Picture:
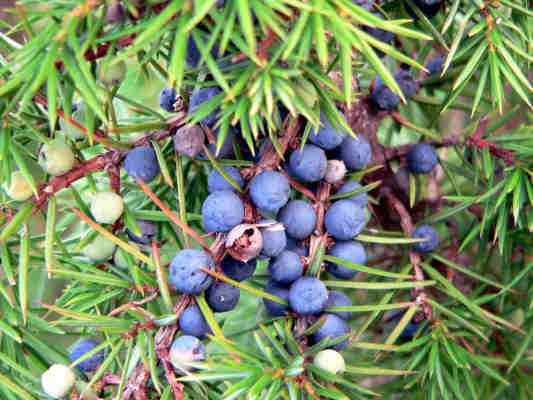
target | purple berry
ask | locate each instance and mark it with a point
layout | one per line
(269, 191)
(422, 158)
(83, 346)
(167, 99)
(299, 219)
(339, 299)
(435, 64)
(141, 163)
(356, 152)
(222, 296)
(308, 296)
(193, 323)
(222, 211)
(332, 328)
(286, 268)
(344, 220)
(215, 181)
(429, 233)
(308, 164)
(148, 232)
(350, 251)
(185, 273)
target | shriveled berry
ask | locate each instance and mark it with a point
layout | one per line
(189, 140)
(335, 171)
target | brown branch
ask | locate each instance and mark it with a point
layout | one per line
(476, 140)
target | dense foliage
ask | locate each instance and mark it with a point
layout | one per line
(201, 196)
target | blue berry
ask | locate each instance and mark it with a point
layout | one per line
(422, 158)
(360, 199)
(148, 232)
(429, 233)
(299, 248)
(428, 7)
(407, 83)
(238, 270)
(344, 220)
(356, 152)
(308, 296)
(193, 323)
(333, 328)
(186, 350)
(141, 163)
(192, 56)
(339, 299)
(273, 308)
(286, 268)
(299, 219)
(434, 65)
(167, 99)
(222, 211)
(200, 96)
(366, 4)
(215, 181)
(308, 164)
(274, 239)
(84, 346)
(269, 191)
(222, 296)
(378, 33)
(327, 137)
(225, 150)
(186, 276)
(382, 97)
(350, 251)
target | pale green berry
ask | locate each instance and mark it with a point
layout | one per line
(112, 73)
(56, 157)
(330, 361)
(100, 249)
(120, 257)
(107, 207)
(58, 380)
(19, 188)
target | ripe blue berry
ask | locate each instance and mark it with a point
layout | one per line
(299, 248)
(299, 219)
(193, 323)
(308, 164)
(222, 211)
(421, 158)
(339, 299)
(350, 251)
(273, 308)
(200, 96)
(382, 97)
(81, 347)
(141, 163)
(366, 4)
(327, 137)
(308, 296)
(286, 268)
(186, 276)
(238, 270)
(167, 99)
(148, 232)
(225, 150)
(192, 56)
(222, 296)
(274, 238)
(428, 7)
(333, 328)
(186, 350)
(378, 33)
(435, 64)
(429, 233)
(215, 181)
(344, 220)
(360, 199)
(269, 191)
(356, 152)
(407, 82)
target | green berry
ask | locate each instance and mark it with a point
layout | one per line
(112, 73)
(107, 207)
(19, 188)
(330, 361)
(58, 380)
(120, 257)
(56, 157)
(99, 250)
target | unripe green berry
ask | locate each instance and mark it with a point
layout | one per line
(58, 380)
(56, 157)
(120, 259)
(70, 130)
(99, 250)
(112, 73)
(18, 189)
(330, 361)
(107, 207)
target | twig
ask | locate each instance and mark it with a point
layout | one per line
(476, 140)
